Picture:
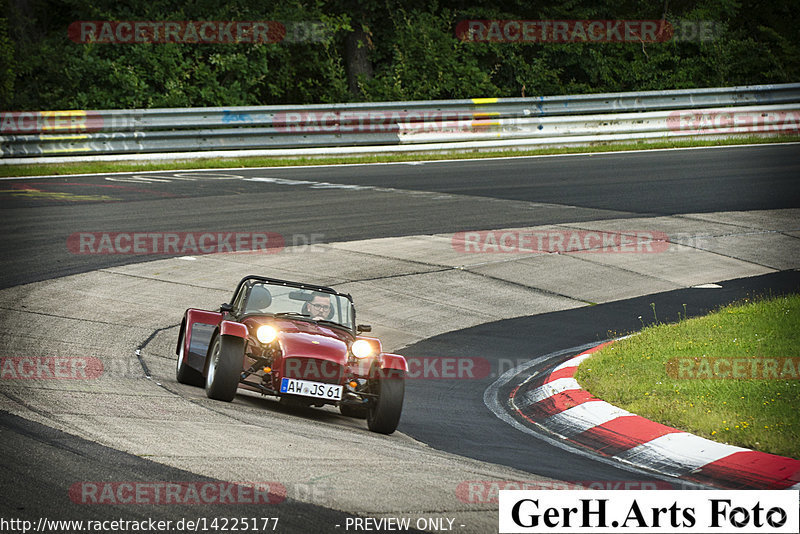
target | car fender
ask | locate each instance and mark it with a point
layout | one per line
(392, 361)
(192, 317)
(232, 328)
(195, 334)
(182, 336)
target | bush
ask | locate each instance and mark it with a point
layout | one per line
(412, 47)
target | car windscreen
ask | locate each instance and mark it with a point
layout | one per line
(268, 298)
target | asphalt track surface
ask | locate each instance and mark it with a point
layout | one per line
(360, 202)
(52, 459)
(367, 201)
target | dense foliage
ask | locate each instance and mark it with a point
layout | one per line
(407, 51)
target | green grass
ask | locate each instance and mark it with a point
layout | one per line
(422, 155)
(761, 414)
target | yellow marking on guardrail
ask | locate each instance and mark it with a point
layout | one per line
(64, 120)
(43, 137)
(63, 149)
(484, 100)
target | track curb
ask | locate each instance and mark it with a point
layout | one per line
(560, 405)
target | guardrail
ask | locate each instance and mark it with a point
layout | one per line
(754, 110)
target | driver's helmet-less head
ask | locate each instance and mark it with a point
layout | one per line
(316, 307)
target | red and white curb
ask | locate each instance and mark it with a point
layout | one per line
(562, 407)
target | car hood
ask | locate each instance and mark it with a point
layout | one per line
(312, 345)
(304, 338)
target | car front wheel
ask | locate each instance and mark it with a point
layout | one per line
(384, 411)
(225, 357)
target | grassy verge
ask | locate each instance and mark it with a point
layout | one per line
(664, 374)
(217, 163)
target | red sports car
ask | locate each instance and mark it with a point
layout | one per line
(299, 342)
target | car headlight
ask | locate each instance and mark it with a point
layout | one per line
(361, 348)
(266, 334)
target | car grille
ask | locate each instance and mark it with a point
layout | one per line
(313, 369)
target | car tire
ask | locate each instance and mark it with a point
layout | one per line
(225, 357)
(185, 374)
(384, 412)
(348, 410)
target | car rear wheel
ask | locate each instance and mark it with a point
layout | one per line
(225, 359)
(185, 374)
(384, 412)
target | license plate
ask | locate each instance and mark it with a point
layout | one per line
(311, 389)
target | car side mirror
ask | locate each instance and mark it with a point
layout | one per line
(364, 328)
(225, 308)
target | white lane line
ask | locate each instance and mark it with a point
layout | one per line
(311, 184)
(8, 161)
(136, 179)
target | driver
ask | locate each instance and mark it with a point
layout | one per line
(320, 306)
